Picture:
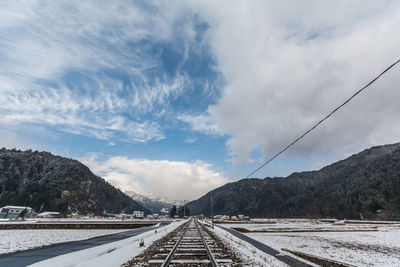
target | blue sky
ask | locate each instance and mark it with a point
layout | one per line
(174, 99)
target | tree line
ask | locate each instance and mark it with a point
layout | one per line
(182, 211)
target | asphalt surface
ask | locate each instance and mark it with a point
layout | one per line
(28, 257)
(275, 253)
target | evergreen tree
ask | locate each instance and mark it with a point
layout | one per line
(183, 211)
(187, 211)
(23, 213)
(172, 212)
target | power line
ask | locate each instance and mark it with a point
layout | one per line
(325, 118)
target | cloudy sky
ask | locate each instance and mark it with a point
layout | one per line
(174, 98)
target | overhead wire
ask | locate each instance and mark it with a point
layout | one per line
(322, 120)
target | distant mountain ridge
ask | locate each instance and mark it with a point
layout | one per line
(47, 182)
(154, 204)
(365, 185)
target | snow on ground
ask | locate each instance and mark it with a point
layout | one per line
(361, 249)
(373, 248)
(250, 254)
(111, 254)
(17, 240)
(78, 220)
(292, 225)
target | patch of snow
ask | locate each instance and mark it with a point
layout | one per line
(301, 225)
(17, 240)
(79, 220)
(111, 254)
(250, 254)
(380, 248)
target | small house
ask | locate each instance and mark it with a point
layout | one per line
(138, 214)
(13, 212)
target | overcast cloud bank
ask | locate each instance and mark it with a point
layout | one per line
(287, 65)
(163, 178)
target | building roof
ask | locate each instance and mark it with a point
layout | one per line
(16, 207)
(48, 213)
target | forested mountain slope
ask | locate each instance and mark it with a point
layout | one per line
(365, 185)
(47, 182)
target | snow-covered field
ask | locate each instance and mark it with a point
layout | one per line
(293, 225)
(119, 252)
(16, 240)
(111, 254)
(251, 255)
(379, 247)
(79, 220)
(361, 249)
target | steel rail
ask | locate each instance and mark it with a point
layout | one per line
(210, 255)
(172, 252)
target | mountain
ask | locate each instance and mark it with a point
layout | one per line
(157, 205)
(365, 185)
(47, 182)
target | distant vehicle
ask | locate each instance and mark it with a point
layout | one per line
(122, 216)
(225, 217)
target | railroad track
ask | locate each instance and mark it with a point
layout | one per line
(190, 245)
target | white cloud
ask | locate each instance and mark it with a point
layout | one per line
(171, 179)
(286, 64)
(201, 123)
(43, 41)
(190, 139)
(92, 116)
(44, 38)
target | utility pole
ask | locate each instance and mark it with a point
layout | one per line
(212, 211)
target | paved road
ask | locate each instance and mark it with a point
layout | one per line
(25, 258)
(275, 253)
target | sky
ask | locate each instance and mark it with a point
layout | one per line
(175, 98)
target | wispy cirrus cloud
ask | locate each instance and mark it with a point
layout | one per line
(97, 116)
(202, 123)
(91, 68)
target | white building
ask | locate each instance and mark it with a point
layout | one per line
(13, 212)
(243, 218)
(138, 214)
(49, 214)
(152, 216)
